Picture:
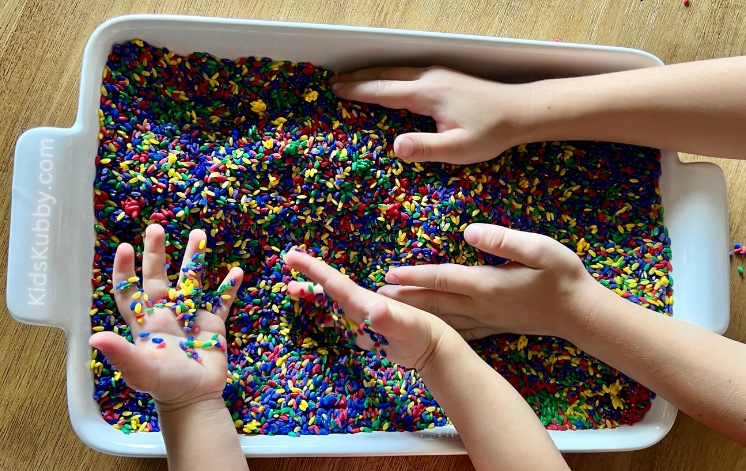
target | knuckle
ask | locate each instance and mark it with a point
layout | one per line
(426, 148)
(463, 145)
(441, 280)
(432, 306)
(381, 87)
(435, 79)
(496, 239)
(429, 88)
(538, 252)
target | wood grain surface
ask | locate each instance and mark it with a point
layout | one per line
(41, 47)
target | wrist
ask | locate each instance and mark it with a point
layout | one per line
(199, 406)
(512, 123)
(190, 429)
(591, 301)
(207, 415)
(554, 110)
(445, 349)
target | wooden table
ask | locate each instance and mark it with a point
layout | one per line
(41, 46)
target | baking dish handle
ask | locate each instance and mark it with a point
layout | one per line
(36, 218)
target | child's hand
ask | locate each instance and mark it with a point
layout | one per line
(412, 335)
(476, 119)
(543, 290)
(157, 363)
(455, 375)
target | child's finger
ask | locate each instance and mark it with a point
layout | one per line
(447, 146)
(191, 266)
(305, 289)
(446, 277)
(136, 364)
(351, 297)
(477, 333)
(453, 309)
(233, 279)
(397, 94)
(459, 322)
(435, 302)
(127, 293)
(526, 248)
(154, 274)
(395, 323)
(380, 73)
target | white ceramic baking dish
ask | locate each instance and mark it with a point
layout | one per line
(52, 237)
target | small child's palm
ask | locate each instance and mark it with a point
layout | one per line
(178, 354)
(175, 377)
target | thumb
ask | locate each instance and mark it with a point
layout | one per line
(137, 366)
(445, 146)
(526, 248)
(395, 323)
(410, 332)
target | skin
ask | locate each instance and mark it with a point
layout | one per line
(420, 340)
(696, 107)
(193, 416)
(464, 135)
(653, 349)
(187, 394)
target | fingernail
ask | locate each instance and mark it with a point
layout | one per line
(291, 249)
(392, 278)
(472, 233)
(403, 147)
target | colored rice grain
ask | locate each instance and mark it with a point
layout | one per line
(263, 157)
